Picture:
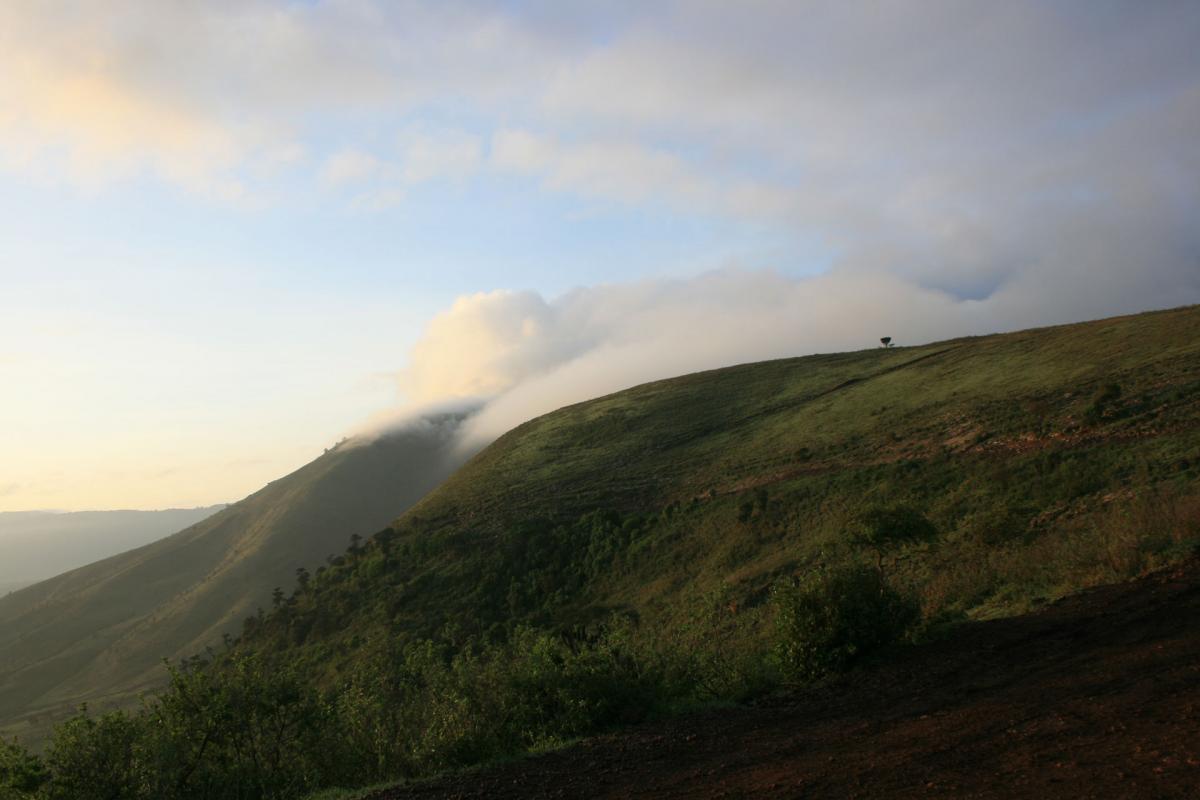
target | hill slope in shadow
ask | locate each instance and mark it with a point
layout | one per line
(98, 634)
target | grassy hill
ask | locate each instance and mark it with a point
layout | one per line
(98, 634)
(1047, 460)
(636, 553)
(36, 545)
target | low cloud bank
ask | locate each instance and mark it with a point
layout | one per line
(508, 356)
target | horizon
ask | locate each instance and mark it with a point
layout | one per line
(221, 254)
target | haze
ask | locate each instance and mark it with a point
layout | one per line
(233, 232)
(35, 545)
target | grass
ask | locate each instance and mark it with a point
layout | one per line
(736, 477)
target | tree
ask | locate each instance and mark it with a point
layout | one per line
(886, 341)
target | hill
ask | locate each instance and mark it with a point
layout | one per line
(35, 545)
(98, 634)
(665, 546)
(1047, 460)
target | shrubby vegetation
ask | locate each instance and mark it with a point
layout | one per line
(21, 774)
(248, 723)
(238, 728)
(833, 620)
(242, 725)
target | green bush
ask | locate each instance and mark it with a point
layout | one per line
(95, 758)
(21, 774)
(885, 529)
(832, 620)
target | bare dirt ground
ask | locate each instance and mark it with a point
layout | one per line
(1096, 696)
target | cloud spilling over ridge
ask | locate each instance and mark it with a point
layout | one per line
(520, 355)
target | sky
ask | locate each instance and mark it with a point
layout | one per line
(234, 231)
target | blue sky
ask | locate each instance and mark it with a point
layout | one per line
(232, 232)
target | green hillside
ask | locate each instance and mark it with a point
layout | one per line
(98, 634)
(684, 542)
(1033, 454)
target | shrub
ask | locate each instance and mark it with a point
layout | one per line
(887, 528)
(830, 621)
(1095, 413)
(95, 758)
(21, 774)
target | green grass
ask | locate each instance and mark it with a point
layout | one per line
(735, 477)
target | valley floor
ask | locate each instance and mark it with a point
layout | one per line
(1097, 696)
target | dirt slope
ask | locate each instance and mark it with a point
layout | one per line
(1095, 696)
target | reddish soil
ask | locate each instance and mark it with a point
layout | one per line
(1096, 696)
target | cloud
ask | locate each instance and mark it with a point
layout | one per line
(422, 154)
(485, 344)
(966, 148)
(432, 153)
(349, 166)
(208, 95)
(940, 140)
(953, 144)
(521, 355)
(632, 173)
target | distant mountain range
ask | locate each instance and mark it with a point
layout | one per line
(36, 545)
(98, 634)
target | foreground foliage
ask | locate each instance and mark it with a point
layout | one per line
(241, 729)
(833, 620)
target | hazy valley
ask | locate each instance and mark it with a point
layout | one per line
(36, 545)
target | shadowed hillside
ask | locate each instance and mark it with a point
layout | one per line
(99, 633)
(1094, 696)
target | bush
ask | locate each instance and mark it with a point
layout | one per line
(830, 621)
(1095, 413)
(886, 529)
(21, 774)
(95, 758)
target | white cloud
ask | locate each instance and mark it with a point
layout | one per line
(526, 356)
(483, 345)
(422, 154)
(956, 145)
(632, 173)
(350, 166)
(197, 94)
(428, 154)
